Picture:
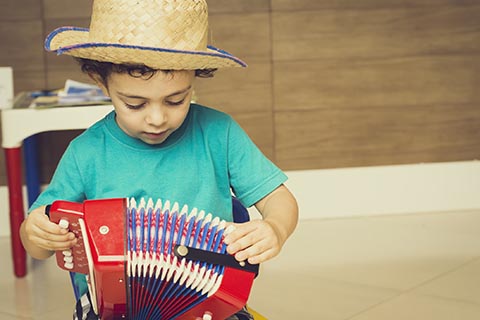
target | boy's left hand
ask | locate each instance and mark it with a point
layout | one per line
(256, 241)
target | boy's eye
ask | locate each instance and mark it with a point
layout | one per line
(134, 106)
(175, 103)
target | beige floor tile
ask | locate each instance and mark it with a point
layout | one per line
(7, 316)
(58, 298)
(45, 289)
(14, 296)
(462, 223)
(396, 252)
(419, 307)
(461, 284)
(286, 295)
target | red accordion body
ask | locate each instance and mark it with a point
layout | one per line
(133, 269)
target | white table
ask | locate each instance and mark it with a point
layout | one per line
(19, 124)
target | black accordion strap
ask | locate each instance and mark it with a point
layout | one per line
(47, 210)
(213, 258)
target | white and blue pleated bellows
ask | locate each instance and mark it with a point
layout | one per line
(161, 286)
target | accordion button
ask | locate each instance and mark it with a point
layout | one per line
(67, 253)
(63, 223)
(207, 316)
(182, 250)
(68, 265)
(68, 259)
(104, 230)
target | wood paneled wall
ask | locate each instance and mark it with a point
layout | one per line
(329, 83)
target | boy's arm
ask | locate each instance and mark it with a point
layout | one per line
(261, 240)
(280, 210)
(41, 237)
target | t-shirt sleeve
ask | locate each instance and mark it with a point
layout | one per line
(66, 183)
(252, 175)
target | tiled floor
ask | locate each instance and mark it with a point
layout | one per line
(402, 267)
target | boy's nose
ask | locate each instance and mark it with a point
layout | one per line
(156, 116)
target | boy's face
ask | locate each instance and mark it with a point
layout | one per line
(150, 109)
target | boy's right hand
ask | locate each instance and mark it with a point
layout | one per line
(38, 233)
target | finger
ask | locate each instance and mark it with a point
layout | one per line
(253, 250)
(50, 231)
(51, 241)
(258, 253)
(55, 244)
(241, 229)
(39, 219)
(246, 241)
(264, 256)
(52, 227)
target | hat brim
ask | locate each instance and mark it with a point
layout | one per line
(74, 41)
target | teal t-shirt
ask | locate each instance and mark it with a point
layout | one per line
(199, 165)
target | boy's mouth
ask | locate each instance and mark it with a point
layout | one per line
(155, 135)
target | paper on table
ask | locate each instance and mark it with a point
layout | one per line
(74, 94)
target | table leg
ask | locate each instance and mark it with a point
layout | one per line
(13, 161)
(32, 176)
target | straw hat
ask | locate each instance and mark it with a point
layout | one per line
(161, 34)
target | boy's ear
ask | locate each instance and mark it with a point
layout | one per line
(99, 82)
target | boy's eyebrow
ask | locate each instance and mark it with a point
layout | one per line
(132, 96)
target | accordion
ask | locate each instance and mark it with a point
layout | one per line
(153, 261)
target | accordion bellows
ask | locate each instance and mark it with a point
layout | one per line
(138, 260)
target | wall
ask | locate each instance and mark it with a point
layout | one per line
(330, 84)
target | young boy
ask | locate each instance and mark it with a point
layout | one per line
(145, 55)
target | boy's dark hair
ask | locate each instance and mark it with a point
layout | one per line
(104, 69)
